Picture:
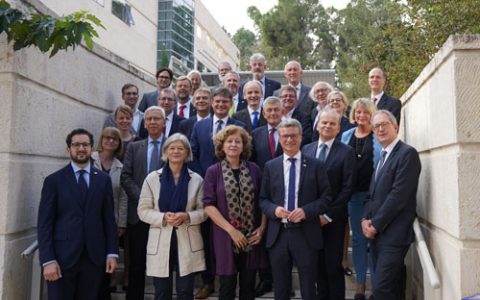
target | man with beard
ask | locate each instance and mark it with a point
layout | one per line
(77, 234)
(258, 64)
(183, 88)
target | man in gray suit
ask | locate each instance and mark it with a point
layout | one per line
(141, 158)
(164, 78)
(293, 72)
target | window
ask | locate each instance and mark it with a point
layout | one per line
(100, 2)
(123, 11)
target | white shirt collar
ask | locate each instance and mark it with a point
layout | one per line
(297, 156)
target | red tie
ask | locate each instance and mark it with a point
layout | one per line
(271, 141)
(180, 113)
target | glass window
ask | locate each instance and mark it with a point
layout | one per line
(123, 11)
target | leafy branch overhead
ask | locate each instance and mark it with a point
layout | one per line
(47, 32)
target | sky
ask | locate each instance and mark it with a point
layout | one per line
(233, 14)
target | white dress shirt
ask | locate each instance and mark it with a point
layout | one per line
(286, 178)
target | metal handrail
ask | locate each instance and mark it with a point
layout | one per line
(30, 250)
(425, 258)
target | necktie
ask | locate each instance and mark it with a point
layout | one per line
(82, 183)
(291, 185)
(232, 109)
(271, 141)
(374, 99)
(219, 126)
(322, 155)
(380, 163)
(255, 119)
(154, 157)
(180, 112)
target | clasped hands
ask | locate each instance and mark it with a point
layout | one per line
(175, 219)
(242, 241)
(295, 216)
(369, 231)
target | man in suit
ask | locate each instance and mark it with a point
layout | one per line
(130, 98)
(340, 163)
(164, 78)
(76, 230)
(390, 207)
(231, 80)
(141, 158)
(288, 96)
(203, 103)
(319, 93)
(252, 115)
(376, 81)
(293, 72)
(257, 66)
(203, 151)
(185, 107)
(295, 191)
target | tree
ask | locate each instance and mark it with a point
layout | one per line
(47, 32)
(245, 40)
(294, 30)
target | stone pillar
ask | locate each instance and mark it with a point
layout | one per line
(42, 100)
(442, 121)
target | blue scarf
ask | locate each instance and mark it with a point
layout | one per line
(173, 198)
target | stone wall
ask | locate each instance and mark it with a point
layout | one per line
(442, 121)
(43, 99)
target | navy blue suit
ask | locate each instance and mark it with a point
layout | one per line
(203, 149)
(73, 231)
(260, 147)
(244, 117)
(391, 206)
(300, 241)
(270, 87)
(340, 164)
(391, 104)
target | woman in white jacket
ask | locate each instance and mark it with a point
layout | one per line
(171, 202)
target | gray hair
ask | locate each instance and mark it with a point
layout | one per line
(170, 91)
(314, 87)
(252, 82)
(231, 72)
(291, 122)
(177, 137)
(273, 100)
(387, 113)
(340, 93)
(257, 56)
(329, 111)
(157, 108)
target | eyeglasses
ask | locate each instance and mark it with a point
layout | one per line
(166, 99)
(335, 101)
(110, 138)
(381, 125)
(289, 136)
(78, 145)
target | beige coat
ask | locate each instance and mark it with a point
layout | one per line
(120, 201)
(191, 257)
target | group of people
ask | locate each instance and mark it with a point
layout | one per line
(230, 182)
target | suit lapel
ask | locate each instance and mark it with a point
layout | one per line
(387, 163)
(303, 169)
(92, 187)
(142, 153)
(382, 102)
(73, 183)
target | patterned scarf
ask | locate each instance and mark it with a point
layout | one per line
(240, 198)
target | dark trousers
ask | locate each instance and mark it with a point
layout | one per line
(265, 275)
(291, 246)
(137, 242)
(104, 293)
(184, 284)
(82, 281)
(208, 276)
(246, 277)
(389, 269)
(331, 278)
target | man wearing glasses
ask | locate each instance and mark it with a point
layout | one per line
(164, 78)
(76, 225)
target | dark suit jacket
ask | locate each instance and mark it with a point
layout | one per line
(67, 225)
(186, 126)
(314, 197)
(242, 104)
(341, 172)
(143, 133)
(270, 87)
(392, 200)
(307, 131)
(391, 104)
(203, 149)
(244, 116)
(148, 99)
(260, 147)
(133, 174)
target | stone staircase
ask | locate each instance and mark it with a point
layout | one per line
(149, 289)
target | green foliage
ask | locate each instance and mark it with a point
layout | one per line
(46, 32)
(245, 40)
